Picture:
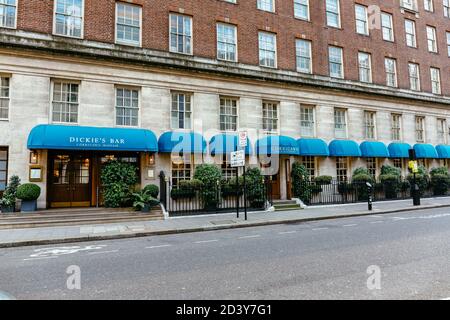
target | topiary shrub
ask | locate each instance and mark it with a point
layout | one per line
(152, 190)
(301, 186)
(391, 184)
(390, 178)
(359, 180)
(210, 176)
(422, 179)
(255, 188)
(118, 180)
(28, 192)
(323, 180)
(440, 181)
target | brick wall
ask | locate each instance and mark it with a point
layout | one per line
(37, 16)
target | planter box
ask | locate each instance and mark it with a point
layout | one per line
(28, 206)
(7, 209)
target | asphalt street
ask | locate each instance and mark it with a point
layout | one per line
(333, 259)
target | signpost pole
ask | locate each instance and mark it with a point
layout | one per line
(245, 195)
(237, 192)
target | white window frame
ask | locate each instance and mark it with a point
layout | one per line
(300, 56)
(308, 118)
(346, 162)
(389, 28)
(370, 125)
(412, 77)
(127, 107)
(264, 50)
(442, 137)
(53, 82)
(367, 69)
(7, 97)
(435, 75)
(431, 39)
(396, 127)
(448, 43)
(190, 112)
(340, 133)
(428, 5)
(446, 4)
(341, 63)
(302, 3)
(127, 42)
(389, 73)
(338, 14)
(236, 116)
(413, 35)
(274, 121)
(262, 5)
(185, 159)
(227, 44)
(365, 21)
(420, 131)
(191, 36)
(16, 6)
(82, 21)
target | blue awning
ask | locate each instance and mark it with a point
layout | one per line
(399, 150)
(226, 143)
(374, 149)
(61, 137)
(425, 151)
(344, 148)
(181, 142)
(443, 151)
(313, 147)
(281, 145)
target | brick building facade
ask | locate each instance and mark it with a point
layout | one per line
(322, 64)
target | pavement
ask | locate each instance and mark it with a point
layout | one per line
(68, 234)
(403, 255)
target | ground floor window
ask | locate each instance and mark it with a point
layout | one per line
(398, 163)
(181, 169)
(342, 169)
(227, 171)
(372, 167)
(3, 168)
(310, 165)
(423, 162)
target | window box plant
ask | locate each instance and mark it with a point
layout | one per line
(28, 193)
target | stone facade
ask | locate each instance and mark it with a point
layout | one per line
(32, 58)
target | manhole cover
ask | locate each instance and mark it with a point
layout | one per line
(223, 222)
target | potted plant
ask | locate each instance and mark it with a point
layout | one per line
(28, 193)
(144, 201)
(8, 201)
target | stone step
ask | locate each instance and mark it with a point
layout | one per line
(284, 202)
(79, 221)
(286, 207)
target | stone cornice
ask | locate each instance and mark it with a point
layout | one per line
(124, 54)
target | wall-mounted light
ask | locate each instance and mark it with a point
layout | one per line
(34, 157)
(150, 159)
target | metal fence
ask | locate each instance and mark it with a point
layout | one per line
(338, 192)
(182, 201)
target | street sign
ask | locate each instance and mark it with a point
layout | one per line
(243, 139)
(238, 159)
(414, 166)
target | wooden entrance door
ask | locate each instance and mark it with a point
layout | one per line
(70, 180)
(275, 185)
(287, 166)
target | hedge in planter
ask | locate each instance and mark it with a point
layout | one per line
(255, 188)
(186, 189)
(391, 180)
(301, 186)
(422, 179)
(118, 179)
(28, 193)
(210, 175)
(440, 181)
(229, 188)
(360, 179)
